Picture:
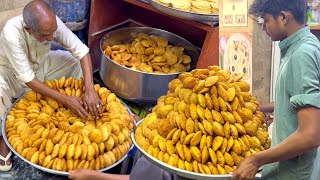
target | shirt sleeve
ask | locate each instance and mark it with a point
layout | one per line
(15, 52)
(70, 41)
(306, 81)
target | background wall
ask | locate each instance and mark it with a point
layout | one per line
(261, 63)
(6, 5)
(261, 53)
(10, 8)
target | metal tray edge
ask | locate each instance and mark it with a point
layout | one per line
(4, 134)
(174, 170)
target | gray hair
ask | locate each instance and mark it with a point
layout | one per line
(31, 15)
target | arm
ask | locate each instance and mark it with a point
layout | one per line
(104, 176)
(73, 103)
(267, 108)
(85, 174)
(305, 138)
(15, 49)
(90, 97)
(305, 100)
(81, 52)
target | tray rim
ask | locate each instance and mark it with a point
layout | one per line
(174, 170)
(185, 14)
(56, 172)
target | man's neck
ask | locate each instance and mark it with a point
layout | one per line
(293, 28)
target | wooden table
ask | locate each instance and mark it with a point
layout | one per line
(108, 14)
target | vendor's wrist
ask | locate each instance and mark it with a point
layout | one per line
(257, 159)
(89, 87)
(64, 99)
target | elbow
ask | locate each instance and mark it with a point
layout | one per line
(313, 139)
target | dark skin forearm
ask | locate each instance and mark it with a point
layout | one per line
(73, 103)
(267, 108)
(86, 67)
(91, 100)
(86, 174)
(104, 176)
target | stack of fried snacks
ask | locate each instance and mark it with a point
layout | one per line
(50, 135)
(207, 123)
(150, 54)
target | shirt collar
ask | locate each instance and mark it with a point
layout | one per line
(294, 38)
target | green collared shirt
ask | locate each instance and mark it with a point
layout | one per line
(298, 85)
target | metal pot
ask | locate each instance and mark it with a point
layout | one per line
(135, 85)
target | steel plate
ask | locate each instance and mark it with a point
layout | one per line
(4, 134)
(184, 14)
(177, 171)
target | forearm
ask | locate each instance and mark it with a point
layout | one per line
(44, 90)
(294, 145)
(105, 176)
(267, 108)
(86, 66)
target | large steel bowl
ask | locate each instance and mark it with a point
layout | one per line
(4, 134)
(135, 85)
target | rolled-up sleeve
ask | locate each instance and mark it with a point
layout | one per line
(70, 41)
(15, 52)
(306, 81)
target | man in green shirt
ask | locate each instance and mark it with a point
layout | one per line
(296, 132)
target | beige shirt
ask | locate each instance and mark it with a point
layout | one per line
(23, 54)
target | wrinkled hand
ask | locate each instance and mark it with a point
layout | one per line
(82, 174)
(247, 169)
(75, 105)
(92, 102)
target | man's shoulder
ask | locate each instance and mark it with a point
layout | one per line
(309, 45)
(13, 26)
(310, 42)
(306, 52)
(14, 21)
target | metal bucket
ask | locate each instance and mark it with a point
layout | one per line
(135, 85)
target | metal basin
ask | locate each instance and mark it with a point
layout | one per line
(135, 85)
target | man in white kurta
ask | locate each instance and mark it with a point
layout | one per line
(23, 58)
(26, 61)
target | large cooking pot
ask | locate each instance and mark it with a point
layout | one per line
(135, 85)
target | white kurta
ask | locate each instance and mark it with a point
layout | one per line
(23, 58)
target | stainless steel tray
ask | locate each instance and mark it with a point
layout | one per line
(177, 171)
(184, 14)
(4, 134)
